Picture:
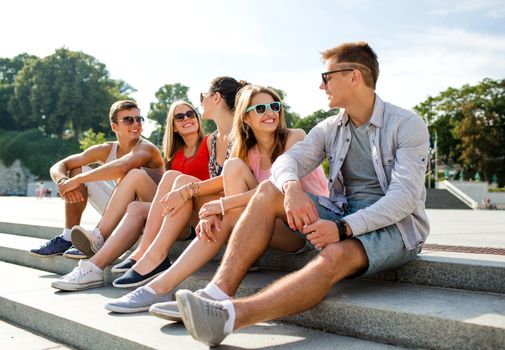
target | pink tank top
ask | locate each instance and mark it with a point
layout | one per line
(315, 182)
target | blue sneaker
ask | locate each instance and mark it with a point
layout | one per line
(74, 253)
(55, 246)
(134, 279)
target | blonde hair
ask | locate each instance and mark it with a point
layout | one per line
(242, 134)
(172, 141)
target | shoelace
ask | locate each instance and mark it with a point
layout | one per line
(79, 271)
(215, 309)
(49, 242)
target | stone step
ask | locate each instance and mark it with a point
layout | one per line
(479, 272)
(80, 320)
(15, 337)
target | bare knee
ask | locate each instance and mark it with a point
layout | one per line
(234, 167)
(134, 175)
(137, 208)
(340, 260)
(182, 180)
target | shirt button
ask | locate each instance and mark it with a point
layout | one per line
(341, 159)
(331, 180)
(347, 139)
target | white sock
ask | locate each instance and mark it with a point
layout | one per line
(97, 232)
(150, 290)
(215, 292)
(94, 267)
(66, 234)
(230, 322)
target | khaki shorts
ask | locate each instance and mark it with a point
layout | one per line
(99, 192)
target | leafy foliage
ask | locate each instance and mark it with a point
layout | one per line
(166, 94)
(470, 125)
(37, 151)
(66, 90)
(90, 138)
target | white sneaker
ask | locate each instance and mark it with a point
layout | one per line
(84, 276)
(88, 242)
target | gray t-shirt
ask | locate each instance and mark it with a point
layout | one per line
(360, 179)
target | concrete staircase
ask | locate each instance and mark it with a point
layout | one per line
(443, 199)
(440, 301)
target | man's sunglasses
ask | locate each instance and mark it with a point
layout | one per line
(129, 120)
(262, 108)
(189, 114)
(324, 75)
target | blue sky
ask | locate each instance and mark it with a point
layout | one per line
(423, 46)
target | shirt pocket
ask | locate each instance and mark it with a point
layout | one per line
(388, 161)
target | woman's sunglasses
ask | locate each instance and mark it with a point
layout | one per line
(262, 108)
(129, 120)
(180, 116)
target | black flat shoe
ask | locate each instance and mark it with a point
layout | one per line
(132, 278)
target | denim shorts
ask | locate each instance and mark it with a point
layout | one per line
(384, 247)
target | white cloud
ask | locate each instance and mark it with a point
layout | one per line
(438, 58)
(490, 8)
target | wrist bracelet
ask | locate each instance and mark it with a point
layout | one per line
(342, 235)
(221, 203)
(62, 180)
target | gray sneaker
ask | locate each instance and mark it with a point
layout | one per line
(170, 311)
(84, 276)
(88, 242)
(137, 301)
(203, 318)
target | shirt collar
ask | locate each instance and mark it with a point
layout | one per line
(377, 113)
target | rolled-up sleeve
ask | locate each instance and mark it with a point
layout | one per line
(300, 159)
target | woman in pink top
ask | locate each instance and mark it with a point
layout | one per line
(260, 136)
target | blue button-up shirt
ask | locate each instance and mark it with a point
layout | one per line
(399, 143)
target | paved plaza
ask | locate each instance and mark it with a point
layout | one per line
(472, 228)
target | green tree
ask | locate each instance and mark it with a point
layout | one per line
(308, 122)
(470, 125)
(166, 94)
(66, 91)
(290, 116)
(90, 138)
(9, 68)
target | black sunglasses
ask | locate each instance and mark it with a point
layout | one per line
(324, 75)
(129, 120)
(189, 114)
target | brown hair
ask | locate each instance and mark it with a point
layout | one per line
(119, 106)
(242, 134)
(228, 87)
(359, 54)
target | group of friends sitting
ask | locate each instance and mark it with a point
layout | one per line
(254, 184)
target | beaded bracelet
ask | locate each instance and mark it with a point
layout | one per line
(221, 203)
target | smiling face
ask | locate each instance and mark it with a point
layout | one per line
(266, 122)
(338, 84)
(187, 125)
(121, 127)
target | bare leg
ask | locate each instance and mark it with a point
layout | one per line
(302, 289)
(73, 212)
(250, 237)
(136, 184)
(124, 236)
(170, 230)
(237, 178)
(154, 218)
